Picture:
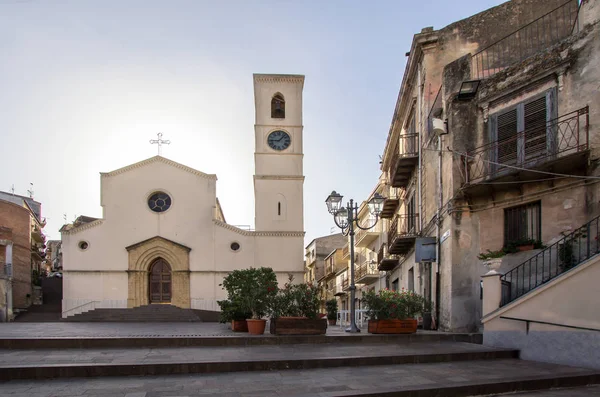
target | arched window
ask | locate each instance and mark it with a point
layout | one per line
(278, 107)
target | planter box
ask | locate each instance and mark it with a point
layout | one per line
(239, 326)
(298, 326)
(392, 326)
(527, 247)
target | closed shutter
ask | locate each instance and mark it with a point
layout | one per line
(535, 119)
(507, 137)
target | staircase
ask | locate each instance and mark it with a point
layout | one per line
(149, 313)
(565, 254)
(216, 361)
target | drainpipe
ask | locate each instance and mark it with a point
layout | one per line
(438, 233)
(419, 102)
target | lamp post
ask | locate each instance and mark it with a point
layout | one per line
(346, 218)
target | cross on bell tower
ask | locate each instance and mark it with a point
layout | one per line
(159, 141)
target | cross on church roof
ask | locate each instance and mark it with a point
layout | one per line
(159, 141)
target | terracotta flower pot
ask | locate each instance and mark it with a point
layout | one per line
(527, 247)
(332, 322)
(393, 326)
(256, 327)
(239, 326)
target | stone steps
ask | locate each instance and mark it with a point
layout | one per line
(70, 363)
(149, 313)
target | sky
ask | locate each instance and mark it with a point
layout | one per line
(85, 84)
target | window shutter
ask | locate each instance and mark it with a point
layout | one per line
(493, 135)
(551, 125)
(535, 120)
(507, 137)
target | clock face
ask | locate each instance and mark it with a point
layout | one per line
(279, 140)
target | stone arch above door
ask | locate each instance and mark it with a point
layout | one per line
(141, 257)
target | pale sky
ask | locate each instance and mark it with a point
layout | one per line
(85, 84)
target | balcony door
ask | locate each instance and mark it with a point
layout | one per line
(523, 134)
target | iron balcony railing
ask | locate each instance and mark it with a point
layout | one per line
(367, 268)
(541, 33)
(567, 253)
(403, 225)
(560, 137)
(345, 283)
(346, 251)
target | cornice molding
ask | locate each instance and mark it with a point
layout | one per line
(280, 177)
(278, 126)
(255, 233)
(279, 78)
(83, 227)
(160, 159)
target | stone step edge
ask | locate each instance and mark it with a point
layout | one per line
(225, 340)
(84, 370)
(483, 388)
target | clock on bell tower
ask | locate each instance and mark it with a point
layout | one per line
(278, 174)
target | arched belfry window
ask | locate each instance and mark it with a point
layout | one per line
(278, 107)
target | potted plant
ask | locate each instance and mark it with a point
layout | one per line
(295, 311)
(492, 259)
(392, 312)
(253, 289)
(234, 313)
(332, 309)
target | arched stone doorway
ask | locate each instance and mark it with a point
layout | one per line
(160, 281)
(143, 256)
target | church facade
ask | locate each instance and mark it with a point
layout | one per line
(163, 237)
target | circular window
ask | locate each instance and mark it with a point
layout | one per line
(234, 246)
(83, 245)
(159, 202)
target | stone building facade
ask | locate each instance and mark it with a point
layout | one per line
(22, 245)
(493, 134)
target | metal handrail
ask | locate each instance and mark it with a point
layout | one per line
(551, 261)
(82, 305)
(566, 134)
(548, 323)
(537, 35)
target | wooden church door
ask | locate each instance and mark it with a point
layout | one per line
(160, 282)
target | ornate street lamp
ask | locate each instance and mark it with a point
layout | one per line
(346, 218)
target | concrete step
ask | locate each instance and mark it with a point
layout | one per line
(68, 363)
(447, 379)
(148, 313)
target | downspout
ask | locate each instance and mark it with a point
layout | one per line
(438, 234)
(419, 102)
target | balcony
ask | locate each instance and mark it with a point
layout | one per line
(560, 146)
(339, 290)
(345, 283)
(390, 205)
(385, 262)
(36, 233)
(404, 160)
(402, 234)
(365, 237)
(540, 34)
(346, 251)
(367, 272)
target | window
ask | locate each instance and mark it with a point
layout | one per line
(278, 107)
(522, 132)
(395, 285)
(279, 208)
(411, 221)
(159, 202)
(235, 246)
(411, 279)
(523, 223)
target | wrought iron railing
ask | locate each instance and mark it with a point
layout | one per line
(565, 254)
(541, 33)
(403, 225)
(346, 250)
(560, 137)
(345, 282)
(367, 268)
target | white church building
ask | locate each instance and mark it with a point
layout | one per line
(163, 238)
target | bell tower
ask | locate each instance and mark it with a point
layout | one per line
(278, 156)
